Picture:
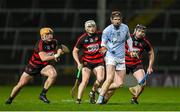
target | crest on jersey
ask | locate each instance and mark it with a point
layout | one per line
(118, 34)
(140, 44)
(135, 43)
(52, 45)
(114, 40)
(86, 40)
(91, 40)
(29, 69)
(48, 47)
(96, 38)
(93, 48)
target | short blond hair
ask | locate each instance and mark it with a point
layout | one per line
(45, 30)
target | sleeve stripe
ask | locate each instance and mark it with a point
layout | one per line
(149, 44)
(79, 38)
(40, 45)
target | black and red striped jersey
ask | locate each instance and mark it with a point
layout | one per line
(49, 47)
(142, 45)
(90, 46)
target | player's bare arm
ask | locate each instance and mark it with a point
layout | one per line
(103, 50)
(45, 57)
(76, 57)
(151, 61)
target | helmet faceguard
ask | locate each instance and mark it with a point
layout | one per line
(140, 27)
(88, 24)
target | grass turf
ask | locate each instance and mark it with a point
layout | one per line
(159, 99)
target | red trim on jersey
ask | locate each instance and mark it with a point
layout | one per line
(131, 63)
(87, 52)
(147, 41)
(38, 62)
(32, 64)
(92, 44)
(35, 60)
(95, 56)
(40, 45)
(94, 61)
(134, 61)
(36, 55)
(79, 38)
(45, 62)
(90, 56)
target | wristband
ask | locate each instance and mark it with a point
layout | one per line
(56, 55)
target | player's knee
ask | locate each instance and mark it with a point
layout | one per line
(21, 84)
(53, 75)
(100, 80)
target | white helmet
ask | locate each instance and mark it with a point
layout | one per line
(89, 23)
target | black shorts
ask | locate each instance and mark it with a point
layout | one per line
(134, 68)
(33, 71)
(91, 66)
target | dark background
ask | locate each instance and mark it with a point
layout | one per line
(20, 21)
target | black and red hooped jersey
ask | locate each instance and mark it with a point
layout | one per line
(142, 45)
(49, 47)
(90, 46)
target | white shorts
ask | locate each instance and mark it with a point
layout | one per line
(119, 63)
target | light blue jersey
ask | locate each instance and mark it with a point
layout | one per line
(114, 40)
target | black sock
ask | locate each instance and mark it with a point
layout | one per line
(93, 91)
(43, 92)
(11, 98)
(135, 98)
(78, 99)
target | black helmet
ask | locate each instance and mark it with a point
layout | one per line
(140, 26)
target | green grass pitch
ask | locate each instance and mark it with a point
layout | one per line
(159, 99)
